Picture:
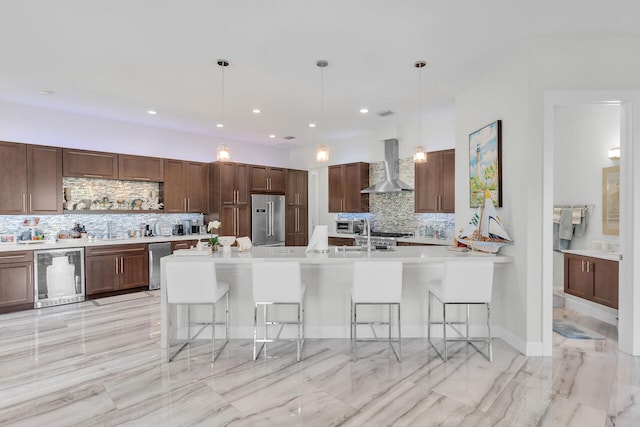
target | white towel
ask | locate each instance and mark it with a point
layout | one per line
(576, 216)
(319, 241)
(556, 215)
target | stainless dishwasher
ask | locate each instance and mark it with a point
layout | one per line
(156, 251)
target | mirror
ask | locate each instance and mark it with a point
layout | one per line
(611, 200)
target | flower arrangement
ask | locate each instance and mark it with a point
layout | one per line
(213, 240)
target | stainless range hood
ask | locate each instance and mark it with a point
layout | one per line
(391, 182)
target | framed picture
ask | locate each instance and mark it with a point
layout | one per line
(485, 164)
(611, 200)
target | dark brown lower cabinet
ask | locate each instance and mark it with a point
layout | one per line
(341, 241)
(111, 269)
(16, 281)
(593, 279)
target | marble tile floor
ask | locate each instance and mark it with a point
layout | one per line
(100, 363)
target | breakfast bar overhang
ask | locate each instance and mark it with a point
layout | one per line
(328, 279)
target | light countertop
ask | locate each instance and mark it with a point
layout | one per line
(81, 243)
(404, 254)
(417, 240)
(611, 256)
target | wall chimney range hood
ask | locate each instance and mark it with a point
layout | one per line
(391, 182)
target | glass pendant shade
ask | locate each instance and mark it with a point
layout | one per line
(322, 153)
(419, 155)
(223, 154)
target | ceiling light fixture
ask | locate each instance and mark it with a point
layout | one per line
(312, 125)
(419, 155)
(222, 153)
(152, 112)
(46, 92)
(322, 151)
(272, 136)
(256, 111)
(364, 110)
(614, 153)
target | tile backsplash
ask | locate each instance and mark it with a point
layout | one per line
(395, 211)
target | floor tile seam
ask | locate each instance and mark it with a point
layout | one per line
(70, 367)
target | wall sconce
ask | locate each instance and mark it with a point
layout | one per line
(419, 155)
(614, 153)
(223, 154)
(322, 153)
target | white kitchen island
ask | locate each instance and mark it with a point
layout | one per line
(328, 280)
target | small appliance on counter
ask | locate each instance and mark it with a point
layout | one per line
(349, 226)
(178, 230)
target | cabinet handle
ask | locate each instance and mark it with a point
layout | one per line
(30, 275)
(121, 265)
(30, 204)
(24, 202)
(188, 204)
(116, 265)
(11, 256)
(588, 266)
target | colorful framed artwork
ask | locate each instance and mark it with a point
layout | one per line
(485, 164)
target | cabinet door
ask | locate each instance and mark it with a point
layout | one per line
(355, 178)
(134, 270)
(241, 184)
(16, 285)
(227, 184)
(341, 241)
(197, 187)
(89, 164)
(243, 218)
(140, 168)
(336, 189)
(605, 281)
(101, 274)
(13, 178)
(276, 180)
(576, 281)
(258, 178)
(427, 184)
(44, 180)
(228, 218)
(174, 187)
(448, 198)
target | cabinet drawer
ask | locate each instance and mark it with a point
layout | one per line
(116, 250)
(13, 257)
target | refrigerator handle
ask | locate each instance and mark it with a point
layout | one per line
(269, 218)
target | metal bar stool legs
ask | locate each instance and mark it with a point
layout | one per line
(266, 322)
(354, 329)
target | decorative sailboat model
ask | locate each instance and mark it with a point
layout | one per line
(485, 231)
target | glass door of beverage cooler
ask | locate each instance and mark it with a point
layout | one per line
(59, 276)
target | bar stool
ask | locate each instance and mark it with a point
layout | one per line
(467, 284)
(192, 281)
(277, 283)
(376, 283)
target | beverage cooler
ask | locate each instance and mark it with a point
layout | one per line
(59, 276)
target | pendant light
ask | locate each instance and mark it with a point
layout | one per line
(222, 153)
(322, 151)
(419, 155)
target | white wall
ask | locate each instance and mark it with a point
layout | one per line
(514, 91)
(20, 123)
(583, 135)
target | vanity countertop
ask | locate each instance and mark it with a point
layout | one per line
(611, 256)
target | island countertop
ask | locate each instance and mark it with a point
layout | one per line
(405, 254)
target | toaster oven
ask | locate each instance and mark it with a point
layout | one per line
(348, 226)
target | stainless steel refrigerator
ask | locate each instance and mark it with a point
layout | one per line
(267, 220)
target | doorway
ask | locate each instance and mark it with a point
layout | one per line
(629, 299)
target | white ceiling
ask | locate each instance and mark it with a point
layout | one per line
(119, 58)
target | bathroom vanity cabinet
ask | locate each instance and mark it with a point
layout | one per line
(591, 278)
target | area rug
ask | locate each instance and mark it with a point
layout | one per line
(572, 330)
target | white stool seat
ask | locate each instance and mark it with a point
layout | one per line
(277, 283)
(193, 281)
(376, 283)
(468, 285)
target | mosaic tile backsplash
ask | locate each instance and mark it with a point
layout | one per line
(395, 211)
(109, 194)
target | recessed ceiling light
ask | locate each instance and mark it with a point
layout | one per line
(152, 112)
(220, 125)
(256, 111)
(272, 136)
(312, 125)
(364, 110)
(46, 92)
